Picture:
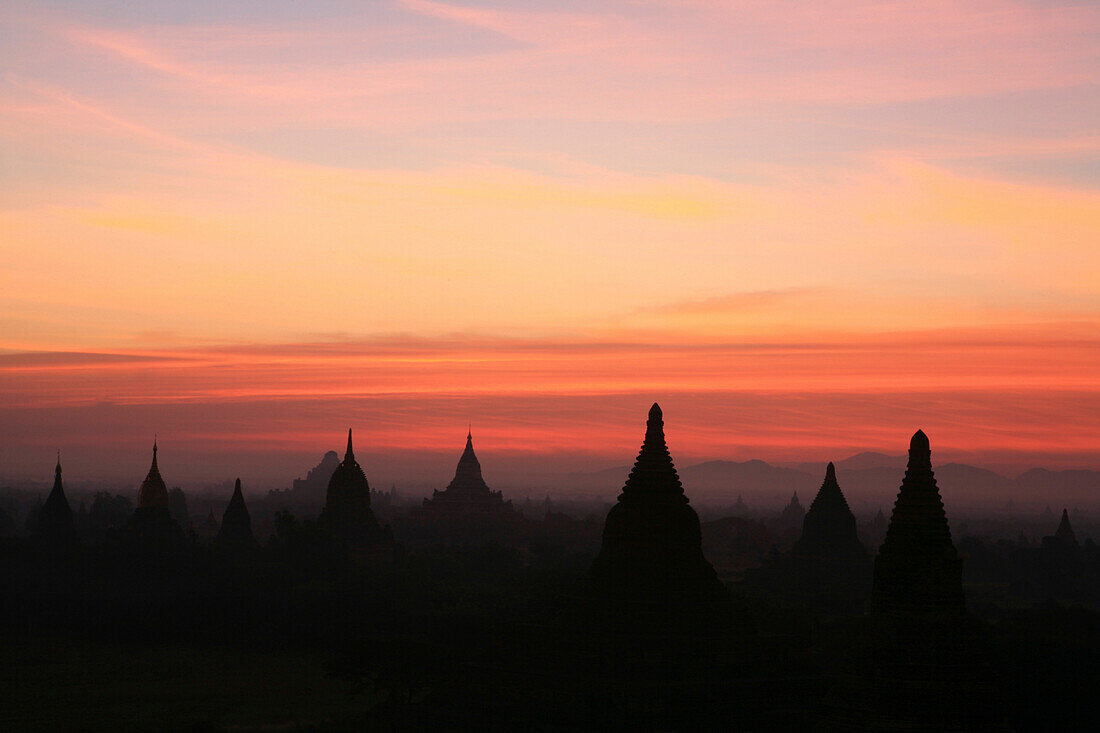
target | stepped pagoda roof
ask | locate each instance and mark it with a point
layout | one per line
(829, 528)
(467, 491)
(652, 544)
(467, 479)
(917, 567)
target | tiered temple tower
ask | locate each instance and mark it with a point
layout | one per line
(918, 663)
(917, 567)
(827, 571)
(467, 494)
(347, 512)
(236, 528)
(829, 528)
(652, 546)
(55, 518)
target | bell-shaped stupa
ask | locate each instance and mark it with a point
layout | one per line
(347, 512)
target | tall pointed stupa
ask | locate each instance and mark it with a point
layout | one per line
(236, 527)
(829, 528)
(55, 518)
(152, 519)
(1064, 533)
(347, 511)
(918, 662)
(153, 491)
(652, 546)
(918, 568)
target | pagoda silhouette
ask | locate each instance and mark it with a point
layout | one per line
(789, 522)
(235, 532)
(917, 661)
(652, 546)
(829, 527)
(1064, 537)
(54, 525)
(152, 519)
(827, 571)
(468, 493)
(652, 639)
(347, 513)
(467, 511)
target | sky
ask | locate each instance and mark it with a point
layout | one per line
(806, 229)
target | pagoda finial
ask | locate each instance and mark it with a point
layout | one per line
(350, 454)
(919, 443)
(830, 472)
(59, 461)
(655, 427)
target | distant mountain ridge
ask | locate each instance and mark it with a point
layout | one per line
(867, 478)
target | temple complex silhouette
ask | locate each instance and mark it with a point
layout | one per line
(642, 633)
(467, 494)
(467, 511)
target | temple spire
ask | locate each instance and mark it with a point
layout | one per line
(468, 477)
(1065, 530)
(349, 455)
(236, 526)
(917, 567)
(153, 492)
(652, 545)
(55, 517)
(829, 529)
(654, 472)
(58, 489)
